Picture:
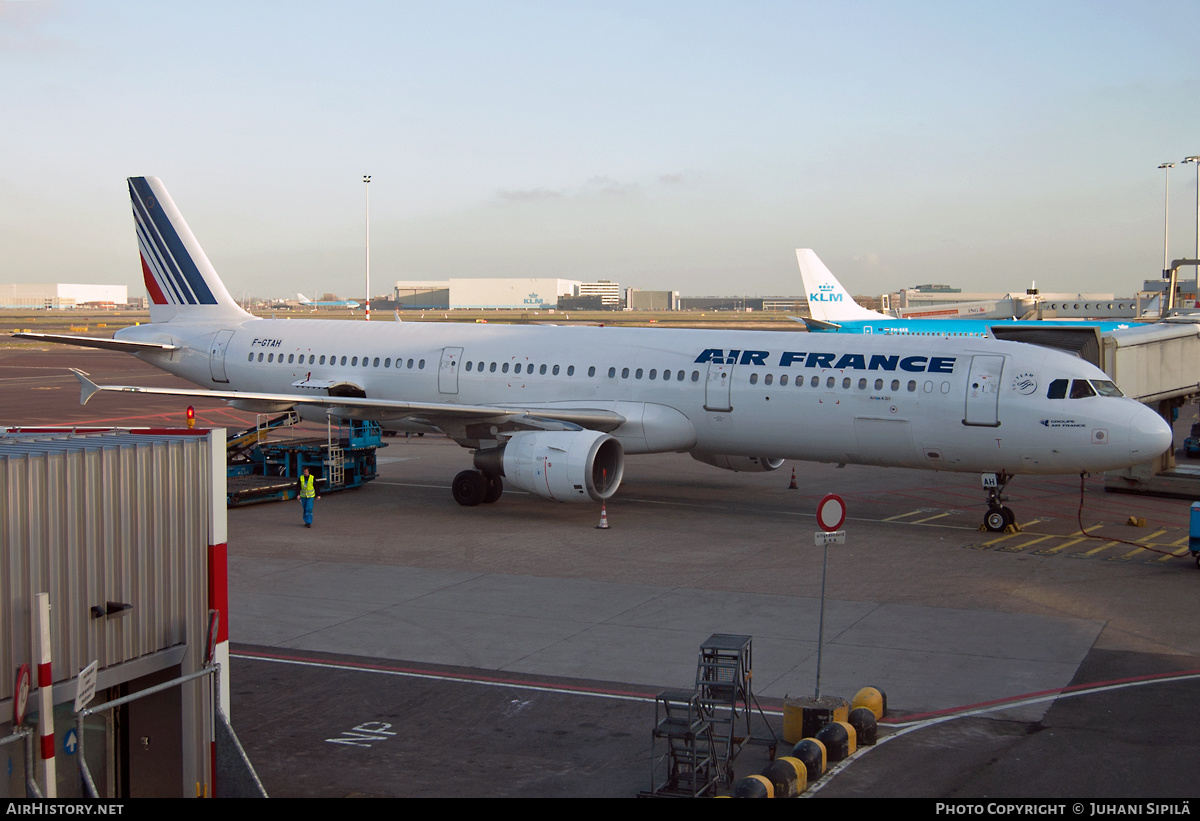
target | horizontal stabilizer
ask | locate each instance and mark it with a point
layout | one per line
(818, 325)
(97, 342)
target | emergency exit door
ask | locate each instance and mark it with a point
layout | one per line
(448, 370)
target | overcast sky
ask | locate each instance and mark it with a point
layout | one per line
(683, 145)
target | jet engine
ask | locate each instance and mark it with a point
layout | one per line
(741, 464)
(567, 466)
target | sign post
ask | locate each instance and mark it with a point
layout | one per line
(831, 515)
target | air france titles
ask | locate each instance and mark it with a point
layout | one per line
(846, 361)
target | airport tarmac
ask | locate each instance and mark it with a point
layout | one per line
(408, 646)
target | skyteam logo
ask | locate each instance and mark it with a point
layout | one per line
(822, 359)
(825, 293)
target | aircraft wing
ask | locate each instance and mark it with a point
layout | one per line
(433, 413)
(97, 342)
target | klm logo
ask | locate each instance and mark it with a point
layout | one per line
(825, 293)
(533, 299)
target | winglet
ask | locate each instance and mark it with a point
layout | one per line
(87, 388)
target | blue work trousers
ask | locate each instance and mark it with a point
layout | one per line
(307, 504)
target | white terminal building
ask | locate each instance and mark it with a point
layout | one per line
(62, 295)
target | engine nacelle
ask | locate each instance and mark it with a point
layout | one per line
(567, 466)
(742, 464)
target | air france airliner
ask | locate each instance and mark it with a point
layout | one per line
(834, 310)
(553, 410)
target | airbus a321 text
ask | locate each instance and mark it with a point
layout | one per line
(552, 410)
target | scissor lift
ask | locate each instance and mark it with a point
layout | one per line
(265, 469)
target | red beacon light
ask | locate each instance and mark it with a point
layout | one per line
(191, 417)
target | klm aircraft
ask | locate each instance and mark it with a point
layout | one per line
(553, 410)
(834, 310)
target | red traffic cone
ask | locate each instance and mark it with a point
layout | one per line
(603, 518)
(793, 486)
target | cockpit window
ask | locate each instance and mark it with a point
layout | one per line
(1106, 388)
(1058, 389)
(1081, 388)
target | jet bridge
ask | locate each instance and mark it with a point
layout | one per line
(1158, 365)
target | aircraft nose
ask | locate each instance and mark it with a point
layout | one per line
(1149, 434)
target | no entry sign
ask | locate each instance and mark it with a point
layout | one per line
(831, 513)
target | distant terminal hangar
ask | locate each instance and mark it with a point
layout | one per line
(61, 295)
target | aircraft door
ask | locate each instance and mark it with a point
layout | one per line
(448, 370)
(216, 356)
(983, 391)
(716, 388)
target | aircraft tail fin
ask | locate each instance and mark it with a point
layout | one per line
(303, 300)
(828, 301)
(181, 282)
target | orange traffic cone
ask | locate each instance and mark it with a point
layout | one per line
(793, 485)
(603, 518)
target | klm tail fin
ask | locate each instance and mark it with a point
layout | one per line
(828, 301)
(303, 299)
(180, 280)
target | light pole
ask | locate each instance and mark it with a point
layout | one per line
(367, 194)
(1167, 166)
(1196, 159)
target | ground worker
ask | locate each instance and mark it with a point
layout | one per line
(308, 492)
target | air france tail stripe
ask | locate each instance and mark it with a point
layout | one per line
(171, 249)
(159, 266)
(156, 294)
(155, 252)
(159, 254)
(173, 246)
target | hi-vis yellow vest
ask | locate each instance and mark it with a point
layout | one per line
(306, 487)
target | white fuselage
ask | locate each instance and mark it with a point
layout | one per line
(936, 403)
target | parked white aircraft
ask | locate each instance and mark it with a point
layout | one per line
(332, 303)
(553, 409)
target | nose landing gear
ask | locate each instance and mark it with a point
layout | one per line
(998, 517)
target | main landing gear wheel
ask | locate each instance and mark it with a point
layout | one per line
(469, 488)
